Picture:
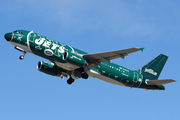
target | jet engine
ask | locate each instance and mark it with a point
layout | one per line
(48, 68)
(74, 59)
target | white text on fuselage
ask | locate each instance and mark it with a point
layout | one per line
(47, 44)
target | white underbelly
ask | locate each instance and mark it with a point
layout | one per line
(66, 66)
(92, 73)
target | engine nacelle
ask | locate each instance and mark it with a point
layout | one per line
(48, 68)
(74, 59)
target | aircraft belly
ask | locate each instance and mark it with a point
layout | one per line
(66, 66)
(104, 78)
(21, 46)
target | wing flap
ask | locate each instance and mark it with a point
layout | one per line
(160, 82)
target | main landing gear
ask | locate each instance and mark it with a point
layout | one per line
(22, 50)
(70, 80)
(83, 75)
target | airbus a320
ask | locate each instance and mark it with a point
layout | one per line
(73, 64)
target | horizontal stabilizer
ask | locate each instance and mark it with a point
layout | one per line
(160, 82)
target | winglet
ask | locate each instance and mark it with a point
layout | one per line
(141, 49)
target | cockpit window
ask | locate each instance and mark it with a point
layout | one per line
(18, 32)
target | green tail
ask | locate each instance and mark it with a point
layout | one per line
(153, 69)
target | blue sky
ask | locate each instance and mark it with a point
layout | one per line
(92, 26)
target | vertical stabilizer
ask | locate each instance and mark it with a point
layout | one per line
(152, 70)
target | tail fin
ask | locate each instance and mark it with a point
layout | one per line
(152, 70)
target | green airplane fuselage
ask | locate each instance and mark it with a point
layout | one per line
(54, 51)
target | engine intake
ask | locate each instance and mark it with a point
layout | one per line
(48, 68)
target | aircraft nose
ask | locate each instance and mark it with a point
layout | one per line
(8, 36)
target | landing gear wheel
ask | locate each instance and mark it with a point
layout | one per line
(21, 57)
(70, 81)
(22, 50)
(84, 76)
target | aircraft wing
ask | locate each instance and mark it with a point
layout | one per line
(107, 56)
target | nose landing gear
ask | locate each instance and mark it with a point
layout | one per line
(22, 56)
(22, 50)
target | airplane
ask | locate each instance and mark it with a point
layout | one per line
(73, 64)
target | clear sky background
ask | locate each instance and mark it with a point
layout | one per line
(92, 26)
